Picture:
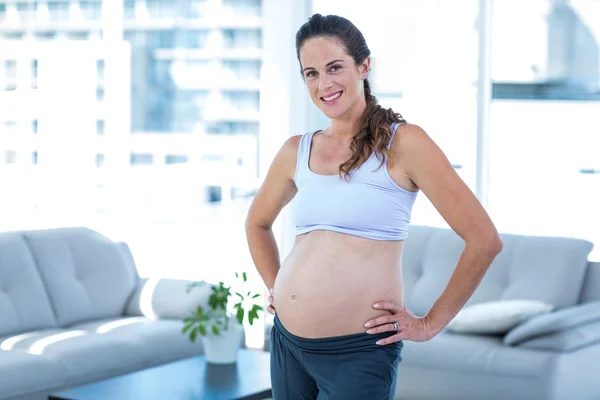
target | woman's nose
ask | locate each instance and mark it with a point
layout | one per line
(325, 83)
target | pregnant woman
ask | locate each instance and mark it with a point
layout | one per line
(337, 298)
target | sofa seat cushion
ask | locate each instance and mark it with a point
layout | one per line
(22, 373)
(476, 354)
(85, 355)
(161, 340)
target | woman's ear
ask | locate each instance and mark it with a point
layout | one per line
(364, 68)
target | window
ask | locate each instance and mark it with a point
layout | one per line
(544, 140)
(142, 159)
(10, 127)
(12, 35)
(241, 69)
(27, 11)
(191, 39)
(129, 10)
(100, 127)
(83, 35)
(99, 160)
(59, 10)
(243, 8)
(242, 38)
(34, 73)
(555, 57)
(91, 9)
(10, 68)
(41, 35)
(165, 158)
(176, 159)
(10, 157)
(100, 71)
(162, 9)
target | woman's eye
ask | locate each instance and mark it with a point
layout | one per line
(310, 74)
(335, 68)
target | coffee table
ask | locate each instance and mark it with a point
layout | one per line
(189, 379)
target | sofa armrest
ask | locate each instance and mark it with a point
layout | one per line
(555, 322)
(568, 340)
(167, 298)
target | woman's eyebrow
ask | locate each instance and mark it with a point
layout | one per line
(328, 64)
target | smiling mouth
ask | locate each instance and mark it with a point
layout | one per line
(332, 97)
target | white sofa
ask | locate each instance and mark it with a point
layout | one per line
(74, 310)
(553, 356)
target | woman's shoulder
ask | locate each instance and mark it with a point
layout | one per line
(409, 136)
(288, 152)
(291, 145)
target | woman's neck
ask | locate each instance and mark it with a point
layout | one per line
(347, 125)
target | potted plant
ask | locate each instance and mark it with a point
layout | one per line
(221, 324)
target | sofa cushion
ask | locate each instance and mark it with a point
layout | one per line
(161, 340)
(85, 355)
(87, 275)
(24, 302)
(22, 373)
(568, 340)
(168, 298)
(496, 317)
(475, 354)
(548, 269)
(561, 320)
(591, 287)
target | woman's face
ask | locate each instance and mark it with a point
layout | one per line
(334, 81)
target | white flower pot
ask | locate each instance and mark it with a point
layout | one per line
(223, 348)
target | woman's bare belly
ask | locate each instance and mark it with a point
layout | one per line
(329, 282)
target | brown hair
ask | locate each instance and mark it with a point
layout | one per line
(374, 134)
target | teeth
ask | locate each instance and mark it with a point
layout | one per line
(335, 96)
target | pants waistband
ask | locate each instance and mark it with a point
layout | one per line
(336, 344)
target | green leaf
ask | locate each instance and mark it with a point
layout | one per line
(193, 335)
(256, 295)
(252, 315)
(240, 315)
(245, 276)
(202, 330)
(187, 327)
(216, 330)
(256, 307)
(240, 296)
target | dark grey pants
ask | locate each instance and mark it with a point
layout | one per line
(343, 367)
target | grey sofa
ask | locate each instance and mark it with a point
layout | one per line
(74, 310)
(554, 356)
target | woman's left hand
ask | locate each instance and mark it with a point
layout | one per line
(410, 327)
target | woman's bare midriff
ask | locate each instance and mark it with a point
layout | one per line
(329, 282)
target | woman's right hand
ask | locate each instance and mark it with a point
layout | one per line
(270, 308)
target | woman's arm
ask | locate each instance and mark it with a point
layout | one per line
(277, 190)
(427, 166)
